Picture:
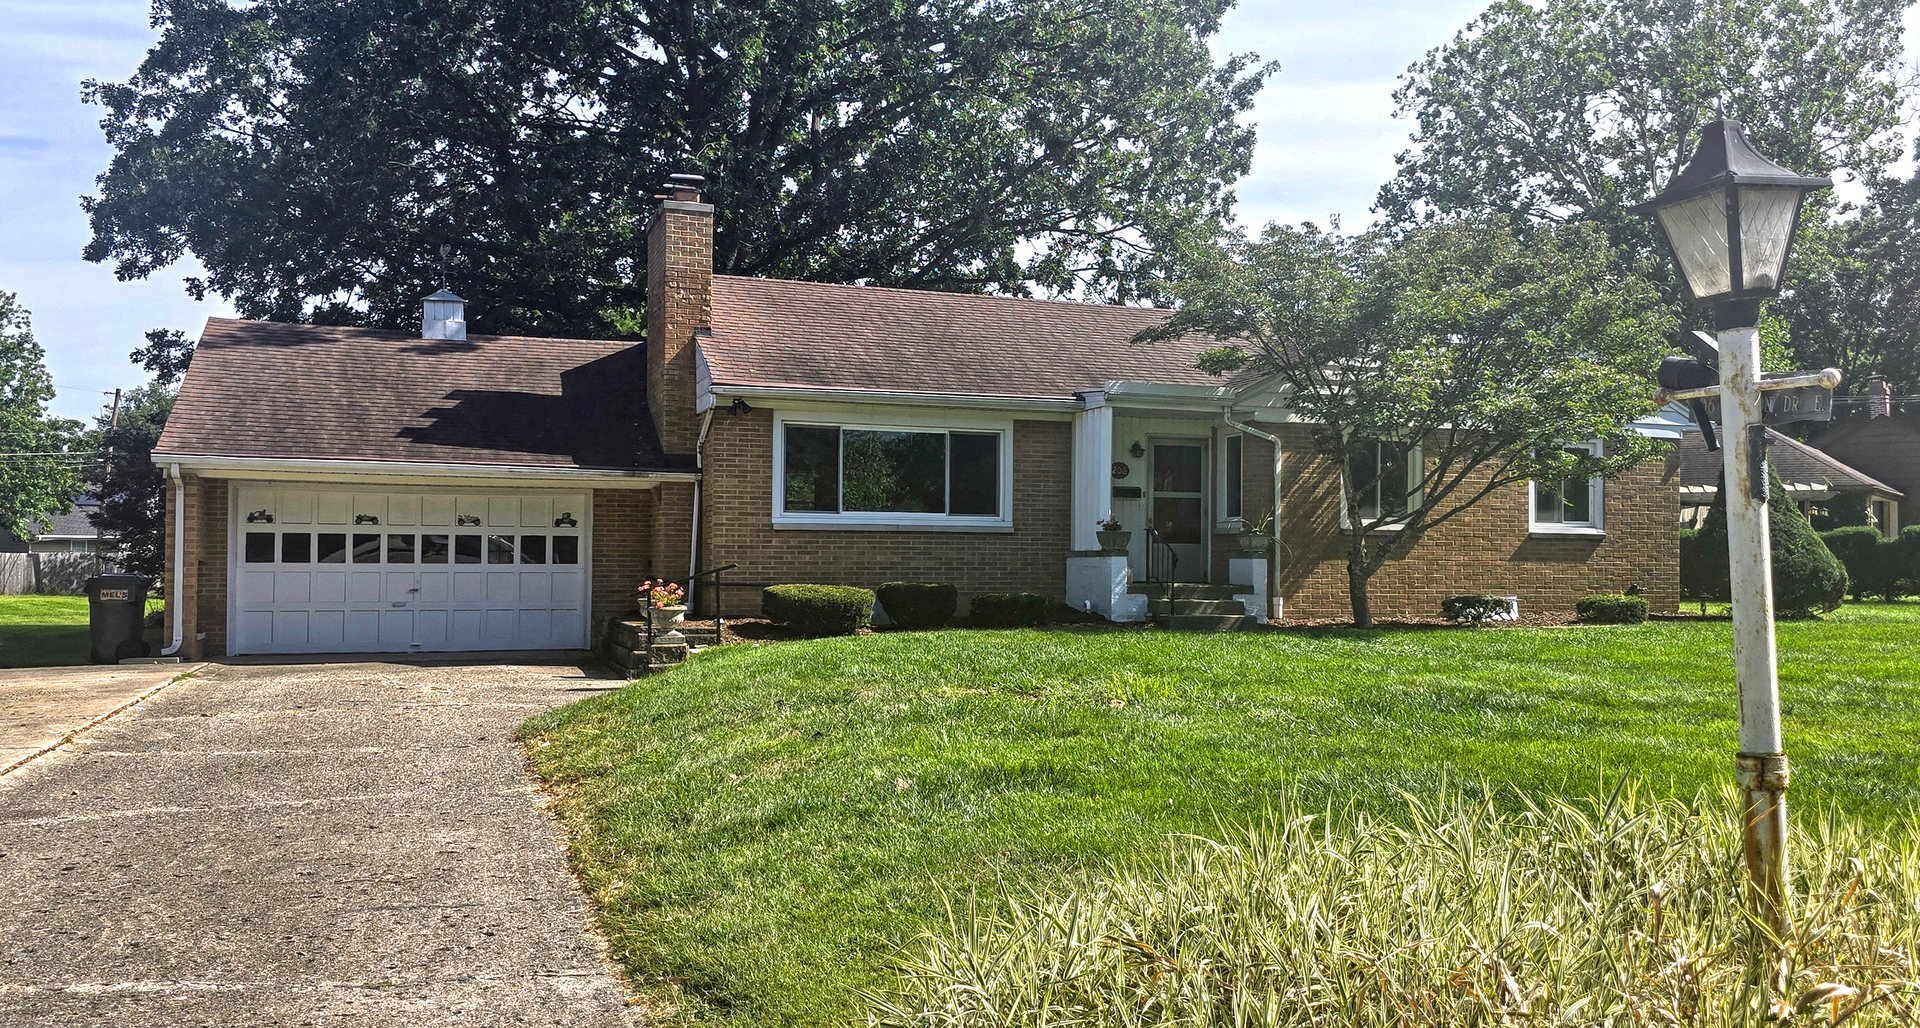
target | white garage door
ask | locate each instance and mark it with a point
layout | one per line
(318, 570)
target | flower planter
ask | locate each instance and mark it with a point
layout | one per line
(1114, 542)
(1253, 545)
(666, 617)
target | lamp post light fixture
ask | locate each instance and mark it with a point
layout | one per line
(1729, 217)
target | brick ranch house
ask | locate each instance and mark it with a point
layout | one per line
(354, 490)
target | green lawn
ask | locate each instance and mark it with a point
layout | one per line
(45, 631)
(765, 827)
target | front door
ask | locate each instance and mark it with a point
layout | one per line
(1177, 549)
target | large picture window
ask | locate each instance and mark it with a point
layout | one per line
(853, 474)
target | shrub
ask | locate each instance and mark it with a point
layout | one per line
(818, 609)
(1477, 610)
(1806, 577)
(1865, 556)
(919, 604)
(1009, 610)
(1703, 570)
(1465, 908)
(1611, 609)
(1903, 557)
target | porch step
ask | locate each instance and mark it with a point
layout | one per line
(1184, 590)
(625, 647)
(1159, 607)
(1209, 622)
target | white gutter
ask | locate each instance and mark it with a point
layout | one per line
(177, 596)
(1036, 404)
(417, 469)
(1273, 552)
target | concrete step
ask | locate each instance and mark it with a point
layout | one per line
(1159, 607)
(1208, 622)
(1185, 590)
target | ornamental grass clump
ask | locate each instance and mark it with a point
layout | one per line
(1619, 912)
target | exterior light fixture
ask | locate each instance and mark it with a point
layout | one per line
(1729, 217)
(739, 406)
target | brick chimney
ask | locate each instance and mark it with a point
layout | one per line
(679, 303)
(1879, 399)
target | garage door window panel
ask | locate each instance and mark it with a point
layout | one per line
(400, 549)
(366, 548)
(296, 548)
(499, 549)
(533, 549)
(259, 547)
(466, 549)
(434, 549)
(566, 549)
(333, 548)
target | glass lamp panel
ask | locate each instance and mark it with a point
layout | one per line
(1766, 227)
(1697, 228)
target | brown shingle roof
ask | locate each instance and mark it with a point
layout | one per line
(1796, 462)
(266, 389)
(771, 332)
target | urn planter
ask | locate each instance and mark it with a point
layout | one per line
(1114, 542)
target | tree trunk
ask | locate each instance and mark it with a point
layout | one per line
(1357, 585)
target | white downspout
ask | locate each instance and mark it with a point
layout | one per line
(693, 537)
(178, 598)
(1273, 556)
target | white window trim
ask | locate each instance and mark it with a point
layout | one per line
(867, 421)
(1596, 504)
(1227, 522)
(1416, 493)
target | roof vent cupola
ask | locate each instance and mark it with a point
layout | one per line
(444, 317)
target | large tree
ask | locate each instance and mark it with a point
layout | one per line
(318, 156)
(38, 465)
(1573, 110)
(1438, 366)
(130, 486)
(1578, 109)
(1856, 302)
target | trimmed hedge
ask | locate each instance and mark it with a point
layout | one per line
(1477, 610)
(1867, 557)
(919, 604)
(1703, 571)
(818, 609)
(1009, 610)
(1611, 609)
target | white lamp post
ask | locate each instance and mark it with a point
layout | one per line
(1729, 218)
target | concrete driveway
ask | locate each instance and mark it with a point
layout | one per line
(39, 707)
(335, 844)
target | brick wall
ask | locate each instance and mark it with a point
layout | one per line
(1486, 550)
(679, 302)
(738, 525)
(622, 550)
(203, 601)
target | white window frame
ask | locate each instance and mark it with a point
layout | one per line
(1596, 502)
(1416, 489)
(782, 518)
(1224, 521)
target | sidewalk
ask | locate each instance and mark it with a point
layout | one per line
(41, 706)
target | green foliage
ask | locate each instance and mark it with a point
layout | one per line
(919, 604)
(1580, 108)
(1007, 610)
(1807, 577)
(1476, 610)
(38, 465)
(1903, 559)
(1611, 609)
(818, 610)
(1865, 554)
(1537, 909)
(130, 486)
(316, 155)
(1527, 339)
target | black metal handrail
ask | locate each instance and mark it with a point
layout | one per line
(1160, 553)
(719, 619)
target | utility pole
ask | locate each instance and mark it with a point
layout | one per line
(113, 423)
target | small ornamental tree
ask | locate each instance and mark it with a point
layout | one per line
(1807, 578)
(131, 488)
(1439, 367)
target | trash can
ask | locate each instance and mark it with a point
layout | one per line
(117, 616)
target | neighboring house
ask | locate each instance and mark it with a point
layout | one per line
(58, 558)
(1811, 478)
(358, 490)
(1883, 444)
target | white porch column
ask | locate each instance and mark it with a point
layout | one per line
(1092, 471)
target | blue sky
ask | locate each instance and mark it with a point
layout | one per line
(1327, 141)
